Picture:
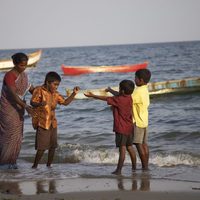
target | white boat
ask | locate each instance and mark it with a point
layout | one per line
(155, 88)
(32, 61)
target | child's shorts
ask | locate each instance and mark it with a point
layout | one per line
(46, 139)
(123, 140)
(140, 135)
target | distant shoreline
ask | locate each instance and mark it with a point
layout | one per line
(96, 45)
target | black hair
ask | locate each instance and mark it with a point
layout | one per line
(19, 57)
(144, 74)
(127, 86)
(51, 77)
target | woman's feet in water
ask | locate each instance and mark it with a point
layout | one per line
(13, 166)
(8, 166)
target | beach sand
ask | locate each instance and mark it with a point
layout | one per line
(117, 188)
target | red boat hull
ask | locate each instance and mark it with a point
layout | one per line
(78, 70)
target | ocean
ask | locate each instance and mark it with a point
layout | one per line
(86, 140)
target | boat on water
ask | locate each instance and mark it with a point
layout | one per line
(78, 70)
(155, 88)
(32, 61)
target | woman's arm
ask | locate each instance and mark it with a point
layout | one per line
(19, 101)
(31, 89)
(37, 104)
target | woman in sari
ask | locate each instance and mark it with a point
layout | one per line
(12, 109)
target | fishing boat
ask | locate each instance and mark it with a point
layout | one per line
(175, 86)
(32, 61)
(78, 70)
(155, 88)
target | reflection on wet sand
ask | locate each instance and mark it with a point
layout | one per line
(9, 187)
(139, 182)
(41, 186)
(45, 187)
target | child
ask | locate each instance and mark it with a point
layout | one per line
(44, 100)
(140, 106)
(123, 126)
(140, 111)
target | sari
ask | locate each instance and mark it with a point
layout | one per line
(11, 120)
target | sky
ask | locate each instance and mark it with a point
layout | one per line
(67, 23)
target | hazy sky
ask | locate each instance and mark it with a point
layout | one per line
(63, 23)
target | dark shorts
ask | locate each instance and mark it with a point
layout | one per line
(46, 139)
(123, 140)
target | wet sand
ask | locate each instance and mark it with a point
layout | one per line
(117, 188)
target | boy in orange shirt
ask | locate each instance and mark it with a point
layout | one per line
(44, 100)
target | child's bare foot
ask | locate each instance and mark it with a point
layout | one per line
(133, 168)
(145, 169)
(116, 172)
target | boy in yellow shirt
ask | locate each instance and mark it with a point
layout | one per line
(140, 106)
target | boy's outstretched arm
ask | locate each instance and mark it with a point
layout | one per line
(90, 94)
(71, 97)
(113, 92)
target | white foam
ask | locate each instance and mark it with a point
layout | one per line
(92, 154)
(173, 160)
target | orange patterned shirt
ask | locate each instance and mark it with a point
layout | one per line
(45, 114)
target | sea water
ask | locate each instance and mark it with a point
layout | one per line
(85, 137)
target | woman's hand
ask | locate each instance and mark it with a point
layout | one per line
(35, 105)
(30, 111)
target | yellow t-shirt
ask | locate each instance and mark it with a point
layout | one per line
(141, 103)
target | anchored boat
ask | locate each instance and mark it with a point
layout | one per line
(155, 88)
(32, 61)
(78, 70)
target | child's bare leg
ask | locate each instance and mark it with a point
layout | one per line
(50, 157)
(143, 156)
(132, 154)
(122, 153)
(146, 150)
(38, 157)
